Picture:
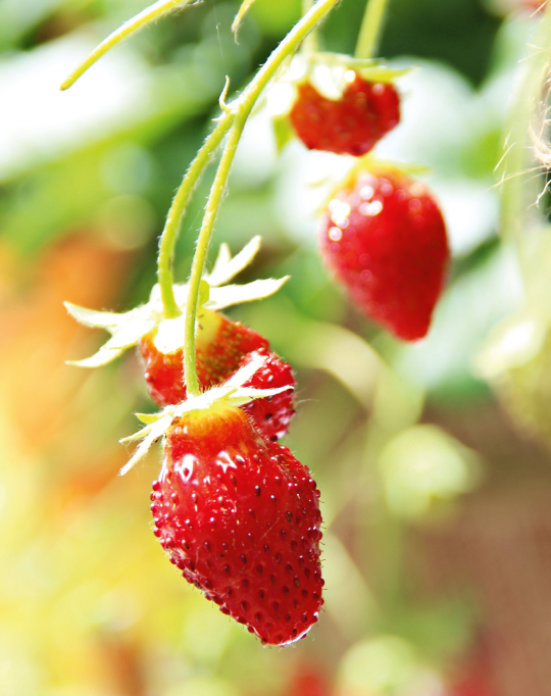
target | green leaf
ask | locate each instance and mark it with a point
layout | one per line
(283, 132)
(380, 73)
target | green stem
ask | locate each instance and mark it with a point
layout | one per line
(372, 23)
(200, 256)
(235, 114)
(150, 14)
(174, 217)
(311, 43)
(285, 49)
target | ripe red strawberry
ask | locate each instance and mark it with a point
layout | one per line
(351, 125)
(220, 345)
(239, 515)
(223, 347)
(271, 415)
(384, 238)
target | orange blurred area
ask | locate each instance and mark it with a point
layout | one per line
(38, 388)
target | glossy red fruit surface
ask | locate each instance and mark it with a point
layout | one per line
(219, 354)
(220, 347)
(272, 415)
(384, 238)
(350, 125)
(239, 516)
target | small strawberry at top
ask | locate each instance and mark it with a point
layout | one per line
(351, 124)
(239, 515)
(384, 238)
(334, 102)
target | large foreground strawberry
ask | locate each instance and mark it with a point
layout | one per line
(384, 238)
(239, 515)
(350, 125)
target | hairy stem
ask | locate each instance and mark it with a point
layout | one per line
(370, 30)
(311, 43)
(200, 256)
(176, 212)
(235, 114)
(150, 14)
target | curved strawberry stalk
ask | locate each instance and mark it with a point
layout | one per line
(128, 328)
(233, 119)
(150, 14)
(370, 29)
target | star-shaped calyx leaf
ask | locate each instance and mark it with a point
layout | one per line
(127, 328)
(230, 393)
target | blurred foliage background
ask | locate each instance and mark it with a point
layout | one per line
(435, 493)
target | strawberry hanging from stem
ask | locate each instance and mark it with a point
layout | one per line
(238, 514)
(351, 124)
(384, 238)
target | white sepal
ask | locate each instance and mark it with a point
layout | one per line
(222, 260)
(127, 328)
(244, 395)
(230, 295)
(247, 372)
(170, 334)
(108, 352)
(231, 393)
(93, 318)
(226, 267)
(150, 434)
(126, 331)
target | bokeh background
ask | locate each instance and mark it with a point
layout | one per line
(432, 458)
